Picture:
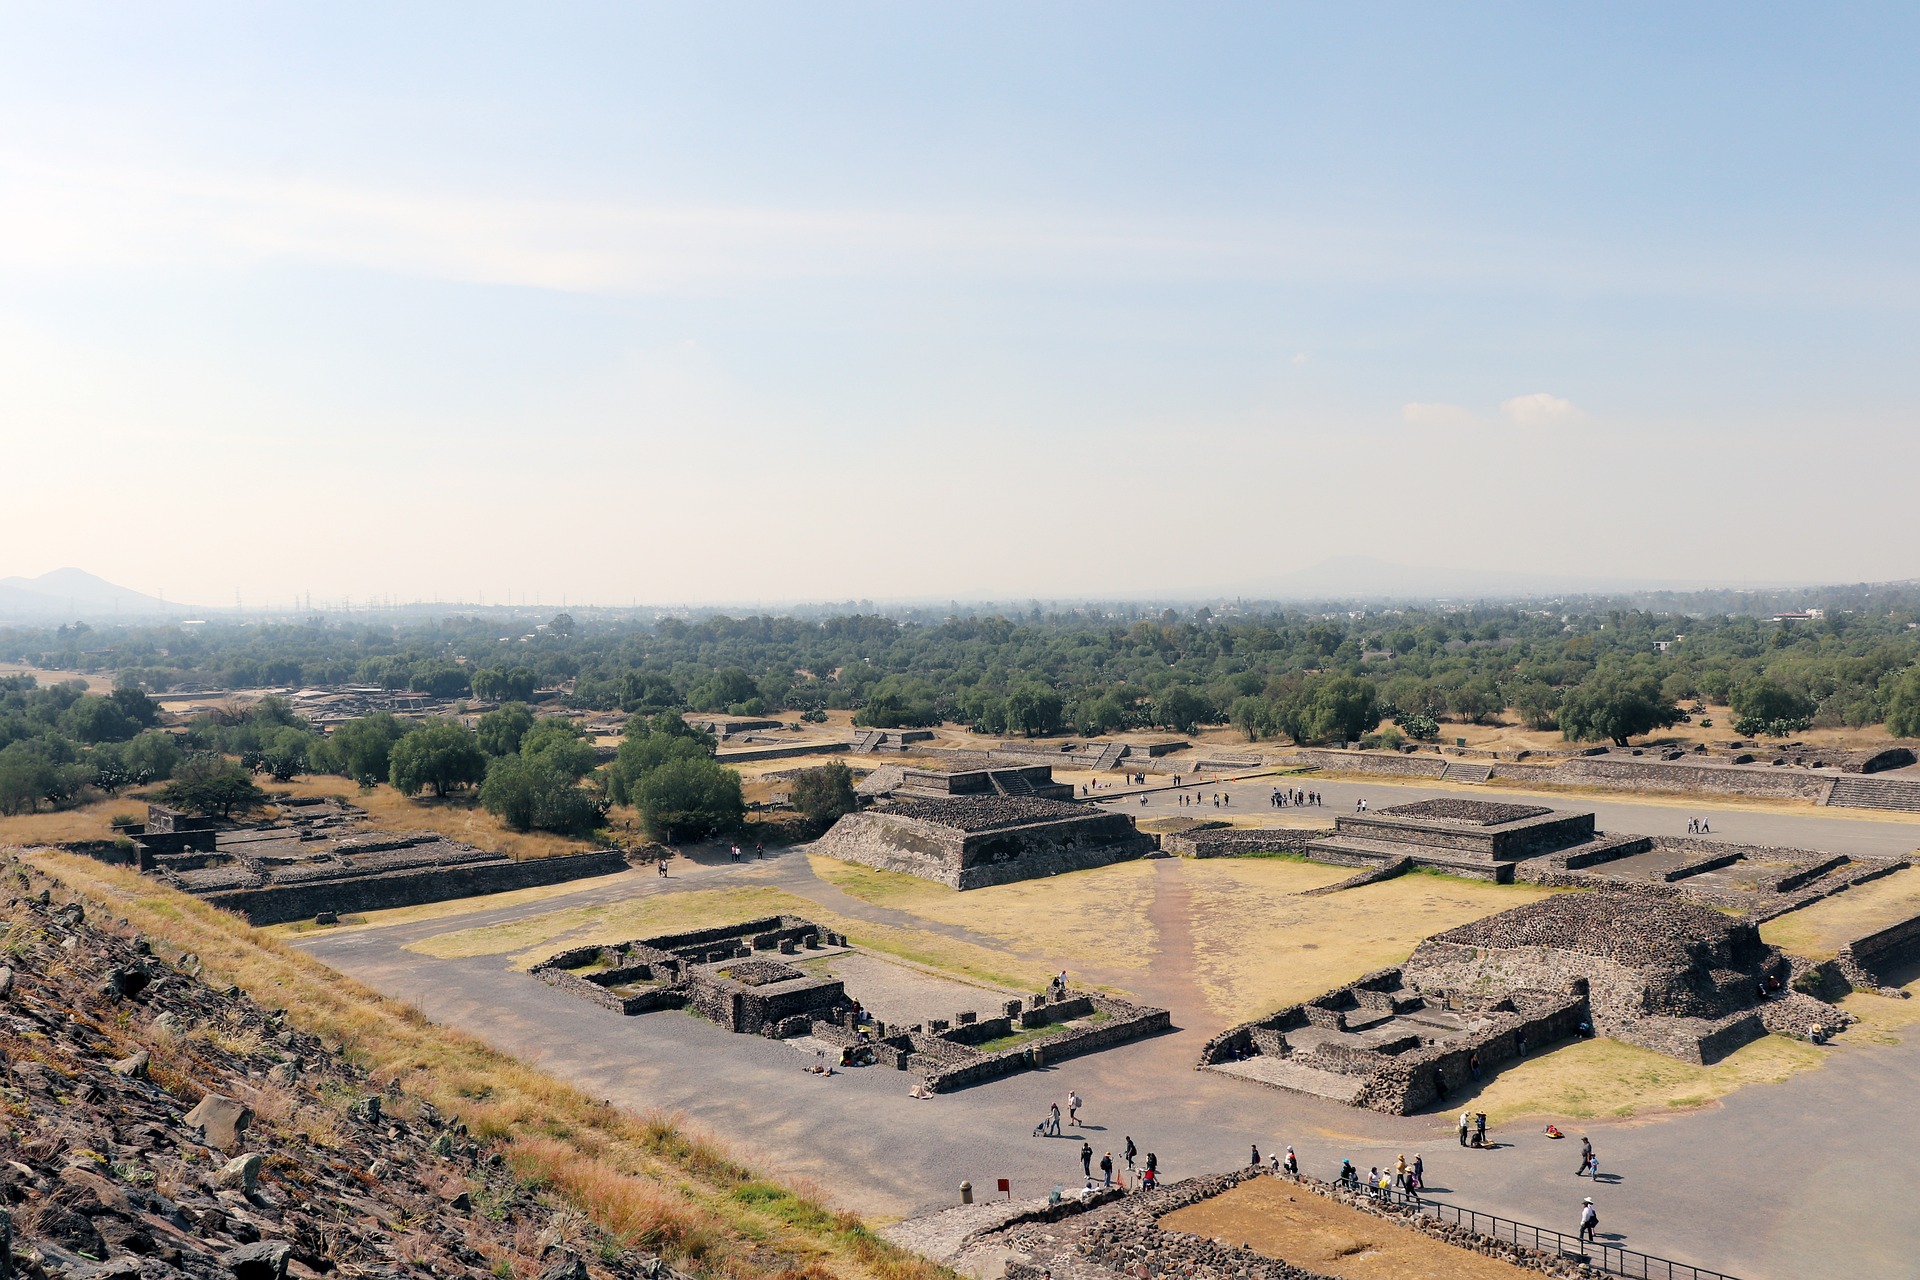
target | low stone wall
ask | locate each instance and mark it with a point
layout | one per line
(1390, 764)
(1126, 1022)
(1372, 875)
(1238, 842)
(1864, 960)
(788, 751)
(280, 904)
(1658, 775)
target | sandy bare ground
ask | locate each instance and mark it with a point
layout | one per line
(1274, 1217)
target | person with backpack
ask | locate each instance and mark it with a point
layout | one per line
(1589, 1221)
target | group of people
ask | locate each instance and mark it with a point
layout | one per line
(759, 851)
(1147, 1174)
(1219, 798)
(1282, 799)
(1698, 827)
(1473, 1123)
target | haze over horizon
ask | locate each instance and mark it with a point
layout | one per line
(619, 304)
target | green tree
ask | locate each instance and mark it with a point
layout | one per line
(1537, 703)
(441, 680)
(363, 748)
(531, 793)
(1615, 705)
(1765, 701)
(212, 785)
(98, 720)
(1033, 709)
(1181, 710)
(441, 756)
(1475, 699)
(825, 794)
(501, 730)
(688, 799)
(1903, 705)
(1095, 716)
(1343, 707)
(642, 751)
(1249, 716)
(557, 742)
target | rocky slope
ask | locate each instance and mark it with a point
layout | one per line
(152, 1125)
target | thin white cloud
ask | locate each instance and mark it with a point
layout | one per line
(1537, 410)
(1436, 416)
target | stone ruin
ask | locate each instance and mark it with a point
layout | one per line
(1683, 980)
(983, 827)
(1478, 838)
(315, 859)
(730, 976)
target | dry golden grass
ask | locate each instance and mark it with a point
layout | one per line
(1088, 918)
(457, 818)
(1597, 1078)
(622, 921)
(1819, 931)
(449, 910)
(86, 823)
(1277, 1218)
(534, 938)
(1259, 946)
(642, 1178)
(47, 676)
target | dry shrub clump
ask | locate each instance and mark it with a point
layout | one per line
(642, 1179)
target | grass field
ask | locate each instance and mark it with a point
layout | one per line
(1590, 1079)
(1275, 1217)
(457, 818)
(1097, 917)
(1260, 946)
(25, 830)
(532, 939)
(1819, 931)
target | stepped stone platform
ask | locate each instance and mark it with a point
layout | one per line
(1680, 979)
(976, 828)
(1483, 839)
(737, 977)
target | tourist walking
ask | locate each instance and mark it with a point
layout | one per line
(1400, 1172)
(1106, 1169)
(1419, 1178)
(1254, 1159)
(1086, 1158)
(1073, 1099)
(1589, 1220)
(1586, 1154)
(1130, 1151)
(1292, 1164)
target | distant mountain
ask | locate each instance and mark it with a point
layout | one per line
(1368, 578)
(68, 594)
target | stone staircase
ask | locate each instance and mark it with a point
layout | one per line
(1851, 791)
(1360, 851)
(1460, 771)
(1110, 756)
(1011, 784)
(865, 741)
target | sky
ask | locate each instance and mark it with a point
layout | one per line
(753, 303)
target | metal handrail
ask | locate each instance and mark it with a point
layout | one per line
(1600, 1255)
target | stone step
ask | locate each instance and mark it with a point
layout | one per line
(1601, 849)
(1876, 793)
(1459, 771)
(1342, 848)
(1284, 1073)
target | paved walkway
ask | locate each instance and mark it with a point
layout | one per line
(1774, 1183)
(1836, 830)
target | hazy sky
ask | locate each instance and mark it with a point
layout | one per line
(736, 302)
